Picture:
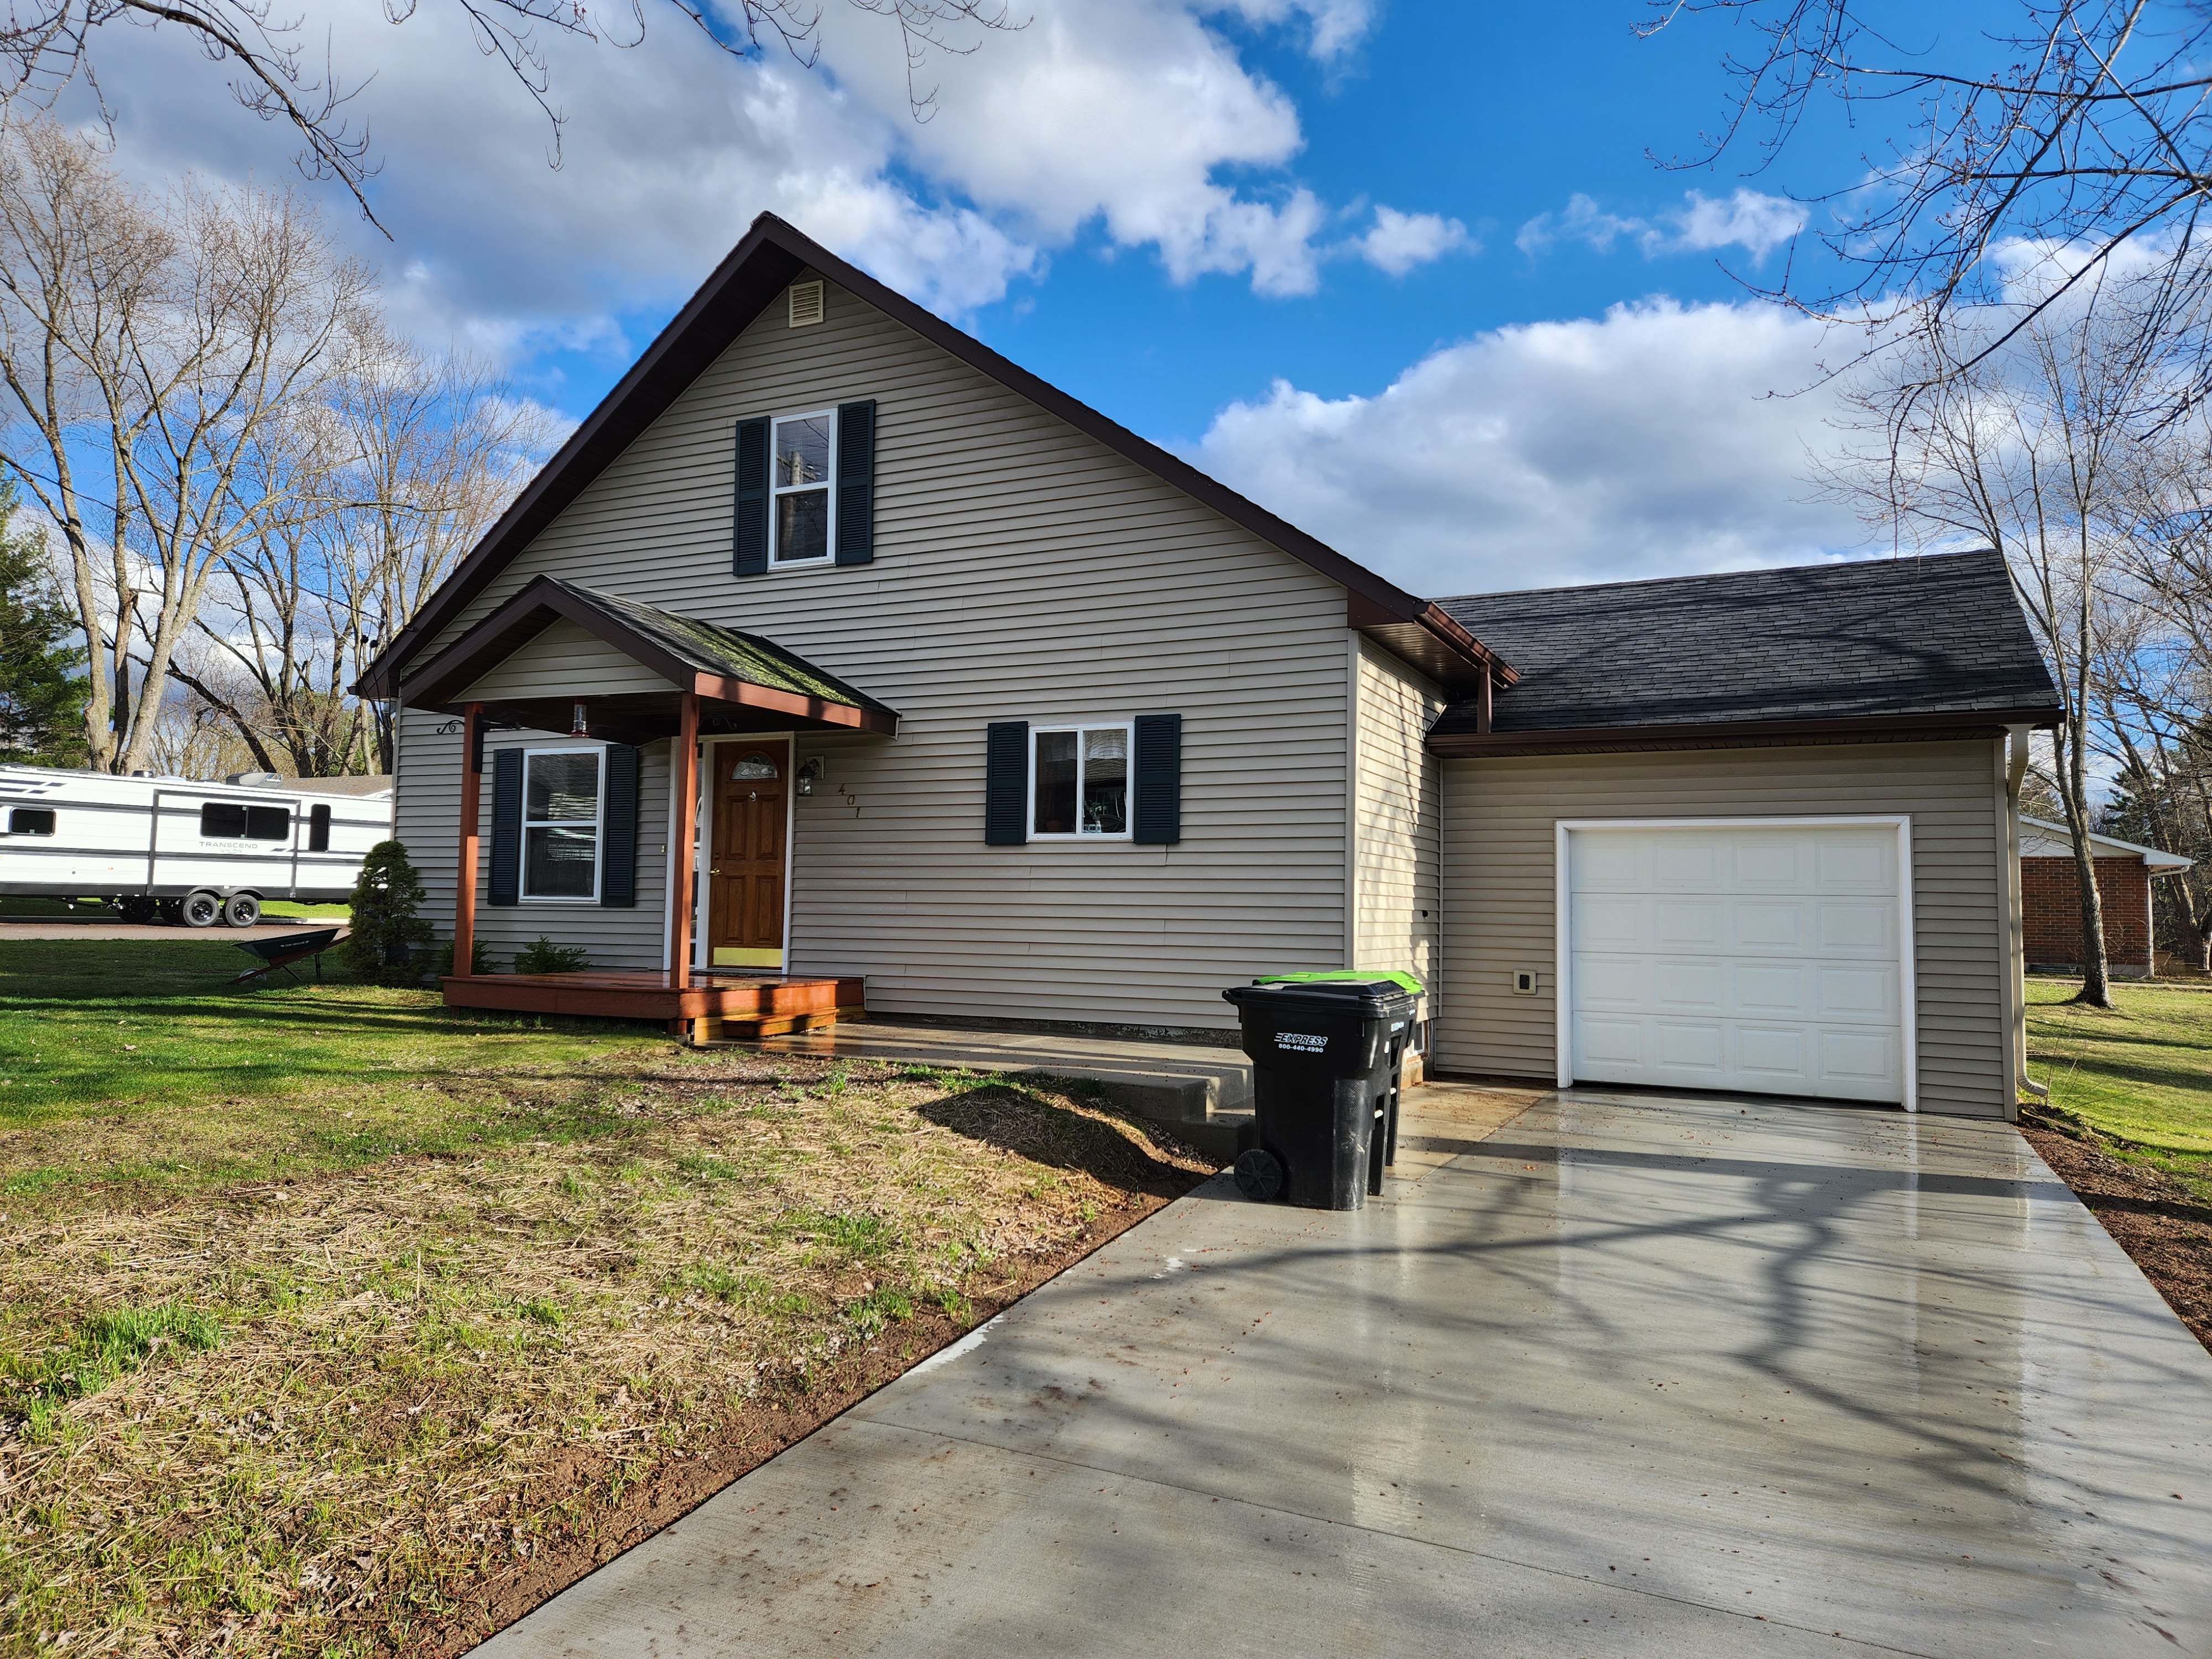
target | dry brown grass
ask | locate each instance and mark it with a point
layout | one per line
(432, 1369)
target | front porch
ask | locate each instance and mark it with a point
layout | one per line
(706, 1007)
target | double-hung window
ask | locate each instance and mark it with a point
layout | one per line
(1079, 781)
(803, 505)
(561, 794)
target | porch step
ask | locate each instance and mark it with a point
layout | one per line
(1202, 1096)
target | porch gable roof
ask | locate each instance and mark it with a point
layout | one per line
(717, 663)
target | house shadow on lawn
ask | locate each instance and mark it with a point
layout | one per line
(1072, 1126)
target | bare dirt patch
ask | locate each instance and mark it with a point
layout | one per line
(2158, 1219)
(387, 1409)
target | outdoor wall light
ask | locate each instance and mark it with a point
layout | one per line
(809, 770)
(578, 726)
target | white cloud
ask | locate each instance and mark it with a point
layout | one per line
(1334, 26)
(1643, 443)
(1757, 223)
(1138, 119)
(1399, 241)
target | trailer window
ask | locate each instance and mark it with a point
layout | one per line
(31, 821)
(222, 820)
(268, 823)
(318, 829)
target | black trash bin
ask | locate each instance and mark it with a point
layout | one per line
(1325, 1056)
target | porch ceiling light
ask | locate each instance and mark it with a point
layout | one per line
(578, 726)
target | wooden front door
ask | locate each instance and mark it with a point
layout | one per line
(744, 878)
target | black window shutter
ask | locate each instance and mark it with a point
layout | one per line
(1006, 784)
(507, 827)
(748, 536)
(1158, 775)
(618, 829)
(856, 483)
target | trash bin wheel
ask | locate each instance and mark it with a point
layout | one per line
(1258, 1176)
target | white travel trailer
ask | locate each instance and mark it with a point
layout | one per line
(170, 849)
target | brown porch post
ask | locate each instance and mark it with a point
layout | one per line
(687, 827)
(465, 889)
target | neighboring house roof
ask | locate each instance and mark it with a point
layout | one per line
(718, 664)
(2056, 841)
(760, 267)
(1886, 645)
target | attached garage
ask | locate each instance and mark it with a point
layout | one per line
(1763, 955)
(1743, 834)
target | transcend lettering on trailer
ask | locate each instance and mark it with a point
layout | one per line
(1303, 1043)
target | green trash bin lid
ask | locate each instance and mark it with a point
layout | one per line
(1364, 975)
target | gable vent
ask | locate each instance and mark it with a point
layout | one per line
(805, 304)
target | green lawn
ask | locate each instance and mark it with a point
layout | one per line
(2140, 1074)
(323, 1309)
(138, 1060)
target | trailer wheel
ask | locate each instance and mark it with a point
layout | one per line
(202, 909)
(243, 910)
(140, 911)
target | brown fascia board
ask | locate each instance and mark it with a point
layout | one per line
(461, 665)
(1722, 734)
(440, 681)
(1431, 641)
(761, 266)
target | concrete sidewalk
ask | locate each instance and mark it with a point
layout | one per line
(1631, 1376)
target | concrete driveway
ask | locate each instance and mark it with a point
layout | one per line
(1631, 1376)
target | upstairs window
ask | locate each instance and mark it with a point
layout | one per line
(801, 473)
(561, 823)
(1079, 781)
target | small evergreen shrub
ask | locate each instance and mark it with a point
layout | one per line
(480, 959)
(388, 931)
(543, 955)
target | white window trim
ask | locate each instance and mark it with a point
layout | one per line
(599, 827)
(776, 492)
(1128, 730)
(1908, 949)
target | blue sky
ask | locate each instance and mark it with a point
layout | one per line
(1405, 272)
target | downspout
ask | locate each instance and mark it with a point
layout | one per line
(2015, 930)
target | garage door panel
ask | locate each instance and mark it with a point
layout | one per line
(1856, 861)
(1768, 989)
(1686, 986)
(1856, 927)
(1742, 957)
(1856, 993)
(1687, 860)
(1768, 924)
(1774, 1054)
(1613, 924)
(1608, 863)
(1606, 1042)
(1612, 984)
(1767, 863)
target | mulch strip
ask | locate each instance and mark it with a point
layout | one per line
(766, 1426)
(2161, 1225)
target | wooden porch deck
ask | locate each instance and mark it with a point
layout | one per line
(706, 1006)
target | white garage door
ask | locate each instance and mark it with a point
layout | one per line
(1759, 958)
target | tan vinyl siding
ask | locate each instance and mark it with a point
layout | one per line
(1023, 571)
(1397, 809)
(1498, 841)
(567, 660)
(429, 823)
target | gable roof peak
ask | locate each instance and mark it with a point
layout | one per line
(766, 258)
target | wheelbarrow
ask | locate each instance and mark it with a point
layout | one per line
(283, 952)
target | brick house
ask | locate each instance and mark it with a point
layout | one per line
(2051, 897)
